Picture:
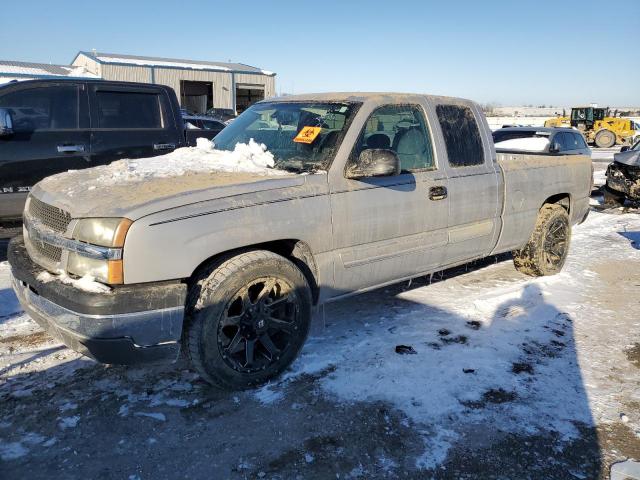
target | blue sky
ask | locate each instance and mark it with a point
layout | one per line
(510, 52)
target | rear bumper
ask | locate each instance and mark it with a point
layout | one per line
(128, 325)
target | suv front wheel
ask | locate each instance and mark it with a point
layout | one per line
(247, 319)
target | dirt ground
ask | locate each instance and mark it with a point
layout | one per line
(512, 377)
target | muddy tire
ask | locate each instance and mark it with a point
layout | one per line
(611, 198)
(605, 139)
(548, 246)
(247, 319)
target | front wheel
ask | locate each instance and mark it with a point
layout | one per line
(605, 139)
(548, 246)
(247, 319)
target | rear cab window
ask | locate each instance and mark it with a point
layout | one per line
(402, 129)
(129, 110)
(461, 135)
(43, 108)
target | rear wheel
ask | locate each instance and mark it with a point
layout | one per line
(247, 319)
(605, 139)
(548, 246)
(612, 199)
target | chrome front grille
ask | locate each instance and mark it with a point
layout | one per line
(42, 215)
(53, 217)
(49, 252)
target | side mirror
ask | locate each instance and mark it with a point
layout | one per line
(6, 122)
(625, 148)
(554, 147)
(375, 162)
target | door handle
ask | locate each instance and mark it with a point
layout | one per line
(164, 146)
(70, 148)
(438, 193)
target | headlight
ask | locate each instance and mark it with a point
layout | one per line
(106, 232)
(81, 266)
(102, 232)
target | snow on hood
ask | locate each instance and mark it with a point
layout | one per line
(113, 190)
(630, 157)
(531, 144)
(251, 158)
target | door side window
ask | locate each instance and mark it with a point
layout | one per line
(128, 110)
(461, 135)
(44, 108)
(402, 129)
(578, 141)
(565, 140)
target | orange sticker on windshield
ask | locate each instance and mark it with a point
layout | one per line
(307, 135)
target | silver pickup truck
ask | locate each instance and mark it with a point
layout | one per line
(365, 190)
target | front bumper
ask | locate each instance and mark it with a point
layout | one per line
(621, 180)
(128, 325)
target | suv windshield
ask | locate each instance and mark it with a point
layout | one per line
(302, 136)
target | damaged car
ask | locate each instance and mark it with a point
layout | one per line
(623, 177)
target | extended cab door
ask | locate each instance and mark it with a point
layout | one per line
(131, 122)
(50, 135)
(387, 228)
(474, 206)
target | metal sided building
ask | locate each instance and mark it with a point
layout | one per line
(199, 86)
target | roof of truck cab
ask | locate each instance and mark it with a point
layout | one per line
(365, 96)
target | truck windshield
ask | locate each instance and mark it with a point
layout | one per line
(302, 136)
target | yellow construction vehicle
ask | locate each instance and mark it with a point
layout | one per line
(599, 127)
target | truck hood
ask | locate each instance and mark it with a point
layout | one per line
(88, 193)
(630, 157)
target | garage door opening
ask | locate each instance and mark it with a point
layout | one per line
(247, 95)
(196, 97)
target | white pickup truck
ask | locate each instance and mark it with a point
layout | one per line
(127, 264)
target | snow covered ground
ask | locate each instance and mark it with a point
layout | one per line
(512, 377)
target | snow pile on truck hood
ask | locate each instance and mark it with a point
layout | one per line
(249, 157)
(530, 144)
(201, 173)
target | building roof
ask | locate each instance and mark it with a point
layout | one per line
(9, 68)
(122, 59)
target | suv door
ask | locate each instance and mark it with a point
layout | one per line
(50, 135)
(130, 122)
(387, 228)
(474, 213)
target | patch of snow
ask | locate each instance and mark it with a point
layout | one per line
(249, 157)
(87, 283)
(51, 442)
(12, 450)
(269, 394)
(308, 458)
(155, 415)
(69, 422)
(68, 406)
(531, 144)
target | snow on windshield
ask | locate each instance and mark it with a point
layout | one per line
(531, 144)
(249, 157)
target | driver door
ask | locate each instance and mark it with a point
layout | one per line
(387, 228)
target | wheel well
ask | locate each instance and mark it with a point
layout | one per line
(563, 199)
(296, 251)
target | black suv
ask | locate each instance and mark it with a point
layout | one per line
(51, 126)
